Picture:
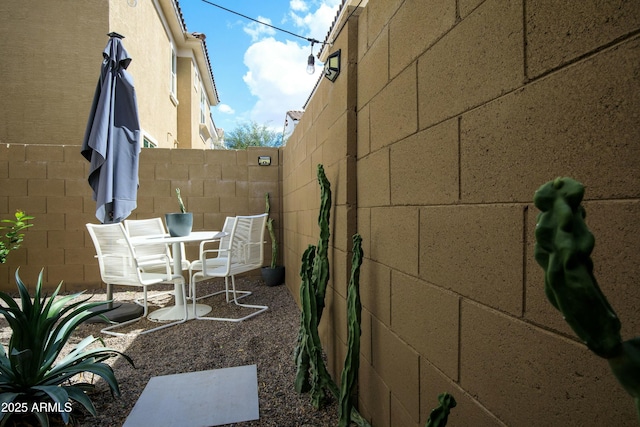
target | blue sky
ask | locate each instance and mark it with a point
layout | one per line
(260, 73)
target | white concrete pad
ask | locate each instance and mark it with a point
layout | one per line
(198, 399)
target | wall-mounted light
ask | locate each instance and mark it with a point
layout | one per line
(264, 160)
(332, 66)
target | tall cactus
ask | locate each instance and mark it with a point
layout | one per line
(272, 233)
(563, 249)
(312, 374)
(307, 313)
(309, 346)
(315, 276)
(321, 267)
(354, 315)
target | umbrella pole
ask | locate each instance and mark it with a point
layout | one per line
(109, 295)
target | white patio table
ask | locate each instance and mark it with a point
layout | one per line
(176, 312)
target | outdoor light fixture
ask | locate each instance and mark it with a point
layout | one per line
(311, 62)
(311, 68)
(264, 160)
(332, 66)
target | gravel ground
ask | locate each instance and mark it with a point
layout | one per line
(266, 340)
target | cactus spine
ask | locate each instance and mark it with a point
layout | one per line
(563, 249)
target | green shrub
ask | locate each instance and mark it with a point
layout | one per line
(11, 239)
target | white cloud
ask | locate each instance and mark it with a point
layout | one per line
(298, 5)
(258, 31)
(277, 69)
(277, 77)
(316, 24)
(225, 109)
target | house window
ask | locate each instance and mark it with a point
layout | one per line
(147, 143)
(196, 80)
(203, 106)
(174, 72)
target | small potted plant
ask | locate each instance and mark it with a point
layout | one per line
(179, 223)
(273, 274)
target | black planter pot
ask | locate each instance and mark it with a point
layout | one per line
(179, 224)
(273, 276)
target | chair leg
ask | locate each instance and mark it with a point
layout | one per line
(194, 297)
(235, 292)
(226, 291)
(259, 308)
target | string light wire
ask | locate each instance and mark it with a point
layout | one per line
(309, 39)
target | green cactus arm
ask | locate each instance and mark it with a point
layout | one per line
(563, 248)
(268, 205)
(321, 266)
(274, 243)
(440, 415)
(272, 233)
(183, 209)
(354, 315)
(312, 374)
(301, 356)
(626, 368)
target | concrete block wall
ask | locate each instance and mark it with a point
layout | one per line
(463, 109)
(49, 182)
(325, 135)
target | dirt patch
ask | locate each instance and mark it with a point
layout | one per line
(266, 340)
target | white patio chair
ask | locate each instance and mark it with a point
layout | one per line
(119, 265)
(219, 248)
(245, 253)
(149, 228)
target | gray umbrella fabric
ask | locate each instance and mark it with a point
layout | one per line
(112, 139)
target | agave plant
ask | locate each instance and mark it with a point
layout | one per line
(30, 379)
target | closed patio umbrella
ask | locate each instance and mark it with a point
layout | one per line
(112, 146)
(112, 139)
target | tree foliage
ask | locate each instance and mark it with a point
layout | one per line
(252, 134)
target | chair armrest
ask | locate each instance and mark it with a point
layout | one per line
(206, 242)
(154, 259)
(203, 253)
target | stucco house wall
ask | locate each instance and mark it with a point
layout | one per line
(462, 110)
(53, 53)
(49, 69)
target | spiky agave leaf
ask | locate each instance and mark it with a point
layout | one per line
(65, 328)
(82, 359)
(41, 327)
(29, 354)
